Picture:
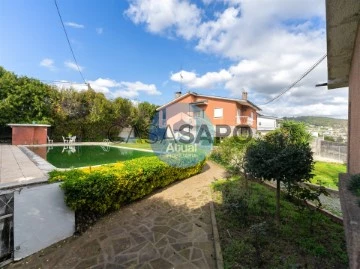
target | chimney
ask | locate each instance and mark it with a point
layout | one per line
(244, 95)
(177, 94)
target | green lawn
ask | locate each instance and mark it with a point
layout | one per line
(250, 238)
(327, 174)
(135, 145)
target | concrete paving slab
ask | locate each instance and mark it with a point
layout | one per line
(16, 168)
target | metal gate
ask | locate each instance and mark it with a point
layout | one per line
(6, 227)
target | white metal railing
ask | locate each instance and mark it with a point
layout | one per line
(245, 120)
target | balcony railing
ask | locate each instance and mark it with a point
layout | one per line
(244, 120)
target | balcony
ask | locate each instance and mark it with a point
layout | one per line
(244, 120)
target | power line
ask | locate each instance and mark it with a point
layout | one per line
(68, 40)
(297, 81)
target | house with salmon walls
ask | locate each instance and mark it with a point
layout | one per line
(221, 112)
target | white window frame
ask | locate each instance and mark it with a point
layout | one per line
(218, 112)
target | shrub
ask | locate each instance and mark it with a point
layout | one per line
(105, 188)
(230, 153)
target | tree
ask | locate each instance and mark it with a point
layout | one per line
(283, 156)
(23, 99)
(124, 112)
(144, 115)
(87, 114)
(294, 132)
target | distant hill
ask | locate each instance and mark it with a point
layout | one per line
(320, 121)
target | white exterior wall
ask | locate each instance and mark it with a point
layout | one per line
(41, 219)
(266, 124)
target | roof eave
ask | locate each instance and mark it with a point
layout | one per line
(240, 101)
(342, 22)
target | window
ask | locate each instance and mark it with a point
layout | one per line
(218, 113)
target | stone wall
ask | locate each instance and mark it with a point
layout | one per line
(334, 151)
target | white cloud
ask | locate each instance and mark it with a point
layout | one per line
(206, 81)
(73, 66)
(132, 89)
(174, 17)
(310, 102)
(48, 63)
(112, 89)
(64, 84)
(74, 25)
(270, 44)
(99, 30)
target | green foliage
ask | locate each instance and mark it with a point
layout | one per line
(329, 138)
(320, 121)
(276, 160)
(253, 240)
(230, 153)
(285, 156)
(24, 100)
(144, 117)
(105, 188)
(89, 115)
(291, 132)
(327, 174)
(136, 145)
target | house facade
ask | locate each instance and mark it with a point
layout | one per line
(224, 114)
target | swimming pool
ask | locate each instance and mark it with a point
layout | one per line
(85, 155)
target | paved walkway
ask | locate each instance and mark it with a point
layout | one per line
(170, 229)
(16, 167)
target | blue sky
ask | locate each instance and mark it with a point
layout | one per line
(137, 49)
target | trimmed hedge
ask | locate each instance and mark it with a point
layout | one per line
(105, 188)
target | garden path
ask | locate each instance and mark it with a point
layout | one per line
(169, 229)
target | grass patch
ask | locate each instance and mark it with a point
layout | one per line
(135, 145)
(327, 174)
(250, 237)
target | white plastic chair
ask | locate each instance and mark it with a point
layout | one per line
(72, 139)
(50, 141)
(66, 141)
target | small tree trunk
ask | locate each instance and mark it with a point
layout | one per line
(278, 201)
